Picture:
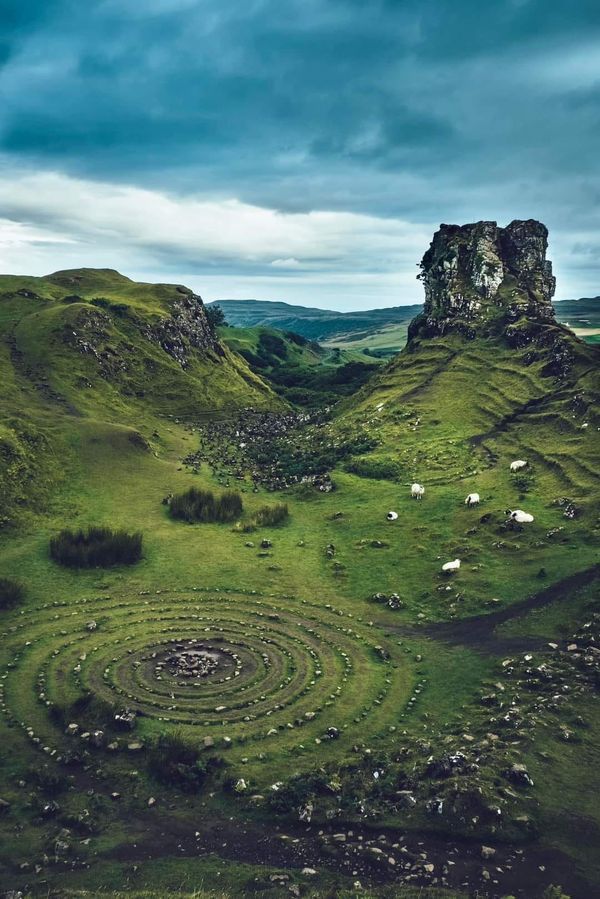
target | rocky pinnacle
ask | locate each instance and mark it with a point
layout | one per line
(479, 276)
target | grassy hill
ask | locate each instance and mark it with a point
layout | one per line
(90, 348)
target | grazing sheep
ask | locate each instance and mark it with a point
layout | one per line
(472, 499)
(392, 516)
(519, 516)
(450, 567)
(417, 491)
(518, 464)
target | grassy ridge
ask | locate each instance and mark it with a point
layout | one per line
(66, 361)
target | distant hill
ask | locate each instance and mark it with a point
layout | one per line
(324, 325)
(300, 370)
(378, 332)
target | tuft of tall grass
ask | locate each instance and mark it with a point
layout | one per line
(203, 506)
(175, 762)
(11, 593)
(98, 547)
(268, 516)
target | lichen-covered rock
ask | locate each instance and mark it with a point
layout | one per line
(482, 277)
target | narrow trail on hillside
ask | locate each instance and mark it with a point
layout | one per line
(479, 632)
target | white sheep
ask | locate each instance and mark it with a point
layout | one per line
(472, 499)
(392, 516)
(519, 516)
(518, 464)
(450, 567)
(417, 491)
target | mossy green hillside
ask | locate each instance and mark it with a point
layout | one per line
(300, 370)
(385, 689)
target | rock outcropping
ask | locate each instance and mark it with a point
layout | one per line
(186, 329)
(481, 278)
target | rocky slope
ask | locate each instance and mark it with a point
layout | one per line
(483, 280)
(90, 345)
(486, 366)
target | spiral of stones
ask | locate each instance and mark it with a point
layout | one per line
(247, 671)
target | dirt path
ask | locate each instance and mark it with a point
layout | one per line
(517, 871)
(480, 631)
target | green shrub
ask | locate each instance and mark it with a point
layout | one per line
(215, 316)
(11, 593)
(553, 892)
(96, 548)
(203, 506)
(174, 762)
(120, 309)
(378, 469)
(272, 345)
(269, 516)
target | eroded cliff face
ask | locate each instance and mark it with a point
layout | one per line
(480, 277)
(186, 329)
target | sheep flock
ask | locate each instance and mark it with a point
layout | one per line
(417, 491)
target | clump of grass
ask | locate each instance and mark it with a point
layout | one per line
(96, 548)
(269, 516)
(377, 469)
(203, 506)
(176, 763)
(11, 593)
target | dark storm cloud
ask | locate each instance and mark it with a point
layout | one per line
(426, 111)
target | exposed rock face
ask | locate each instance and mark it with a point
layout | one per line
(482, 277)
(186, 328)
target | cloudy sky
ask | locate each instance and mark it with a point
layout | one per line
(302, 150)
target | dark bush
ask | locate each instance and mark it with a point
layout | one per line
(254, 360)
(120, 309)
(268, 516)
(215, 316)
(73, 298)
(174, 762)
(524, 482)
(49, 781)
(298, 339)
(203, 506)
(101, 302)
(96, 547)
(271, 344)
(377, 469)
(11, 593)
(88, 710)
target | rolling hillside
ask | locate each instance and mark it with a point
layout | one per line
(302, 371)
(90, 349)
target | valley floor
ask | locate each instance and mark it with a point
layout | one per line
(345, 710)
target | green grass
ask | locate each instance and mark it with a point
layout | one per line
(449, 414)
